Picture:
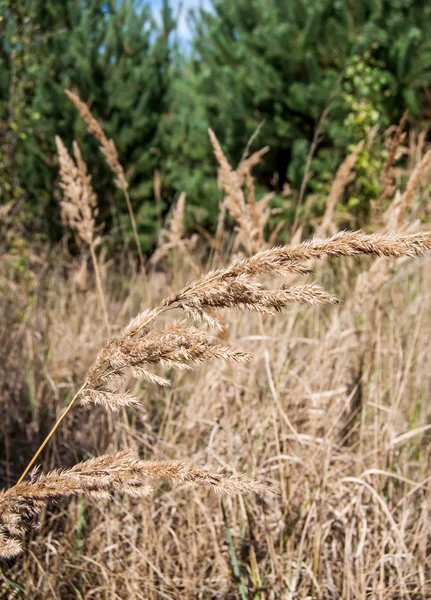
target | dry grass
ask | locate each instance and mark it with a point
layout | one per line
(251, 215)
(325, 406)
(180, 344)
(339, 184)
(327, 469)
(172, 239)
(79, 208)
(109, 151)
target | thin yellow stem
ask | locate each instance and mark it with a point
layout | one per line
(137, 242)
(100, 289)
(135, 229)
(49, 436)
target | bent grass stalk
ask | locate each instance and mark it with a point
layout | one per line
(49, 436)
(135, 228)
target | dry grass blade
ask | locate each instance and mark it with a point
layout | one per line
(99, 477)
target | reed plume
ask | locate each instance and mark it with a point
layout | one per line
(339, 184)
(107, 146)
(79, 203)
(419, 174)
(394, 218)
(172, 237)
(79, 207)
(109, 151)
(121, 472)
(175, 346)
(250, 214)
(393, 145)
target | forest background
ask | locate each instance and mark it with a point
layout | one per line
(308, 78)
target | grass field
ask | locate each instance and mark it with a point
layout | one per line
(329, 419)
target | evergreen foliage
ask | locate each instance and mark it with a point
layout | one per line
(118, 59)
(280, 62)
(283, 62)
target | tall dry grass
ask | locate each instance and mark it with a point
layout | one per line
(250, 215)
(79, 208)
(179, 345)
(326, 406)
(109, 151)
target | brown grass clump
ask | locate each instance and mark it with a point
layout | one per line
(328, 407)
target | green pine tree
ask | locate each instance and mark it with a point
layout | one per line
(118, 59)
(280, 61)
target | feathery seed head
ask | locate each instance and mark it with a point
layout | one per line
(107, 146)
(79, 204)
(122, 472)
